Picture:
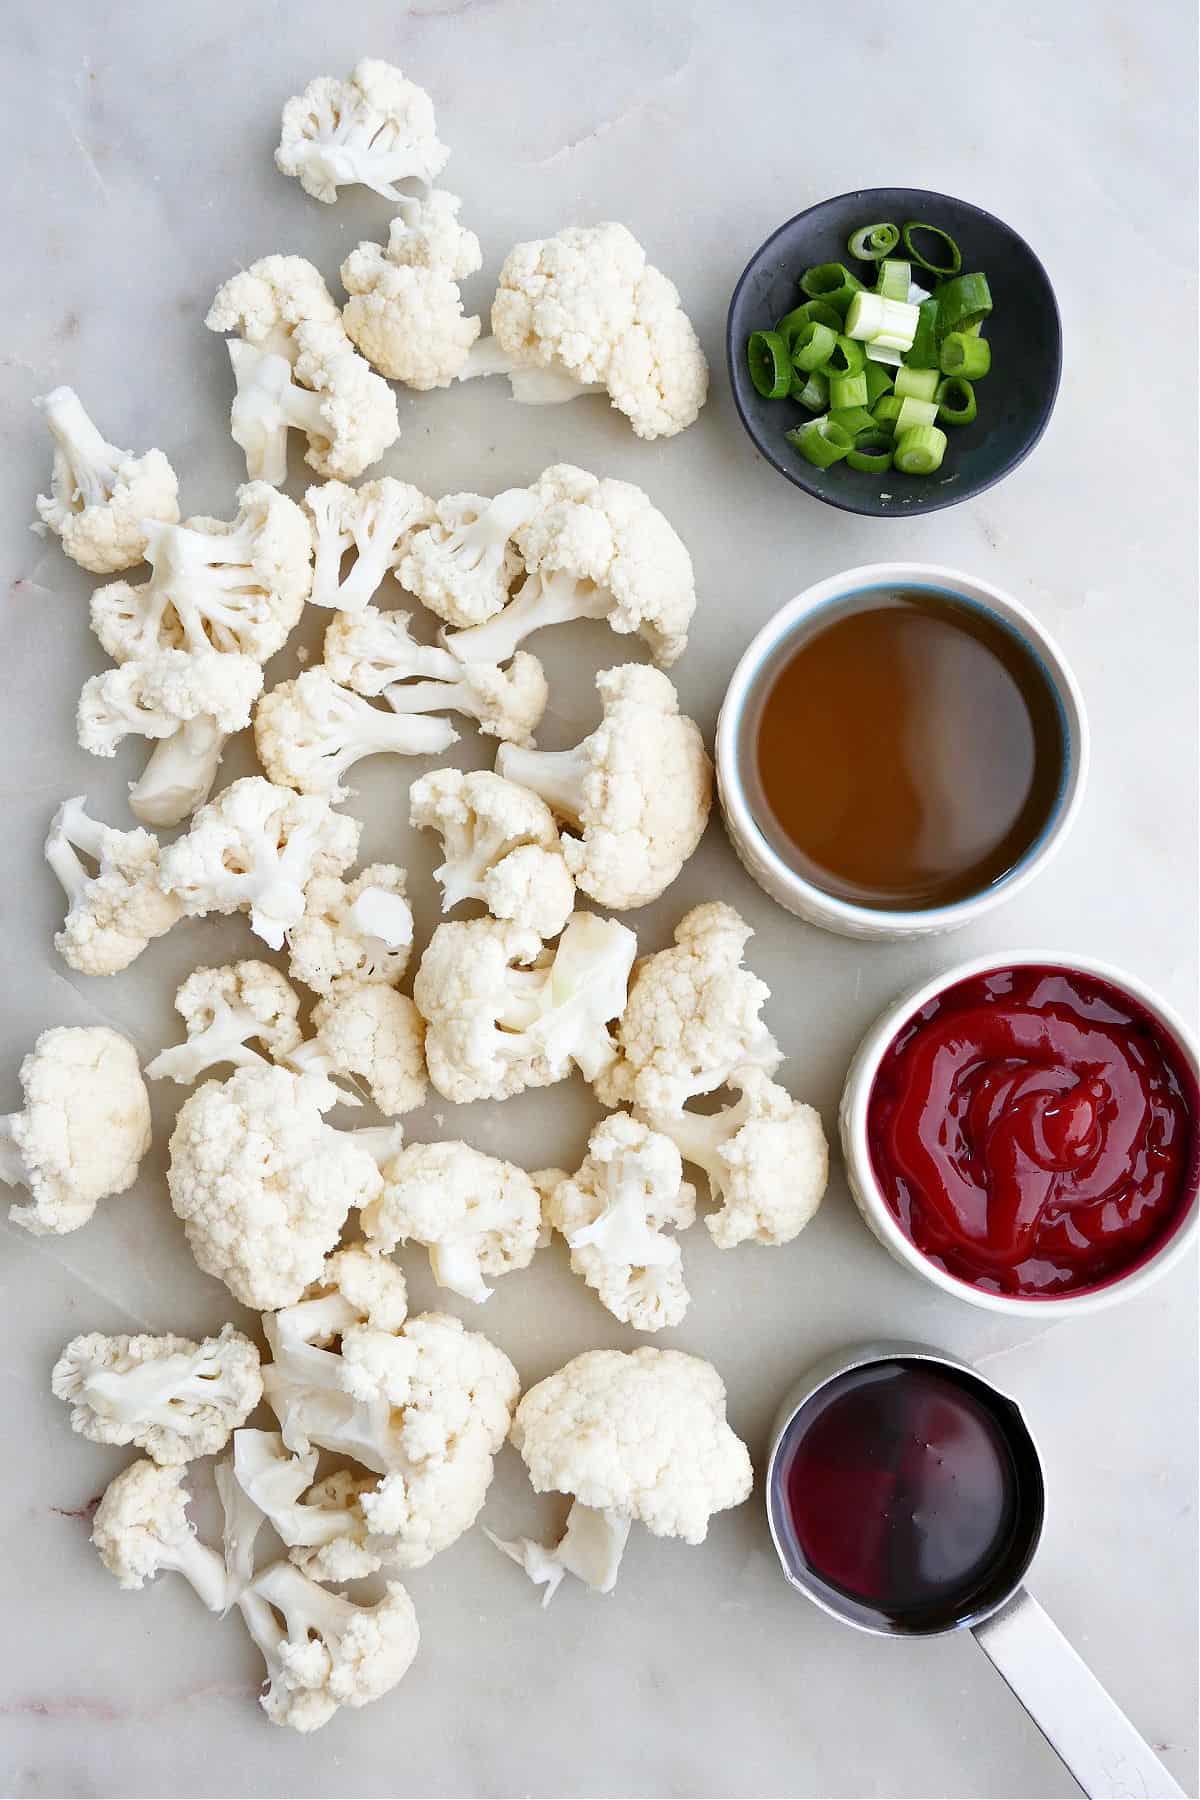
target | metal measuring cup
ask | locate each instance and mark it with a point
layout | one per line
(1078, 1718)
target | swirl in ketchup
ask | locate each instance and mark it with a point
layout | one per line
(1034, 1132)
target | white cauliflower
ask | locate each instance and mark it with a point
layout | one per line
(374, 653)
(766, 1158)
(265, 303)
(499, 845)
(594, 550)
(262, 1184)
(226, 1011)
(366, 1030)
(405, 312)
(375, 521)
(113, 913)
(352, 931)
(583, 312)
(692, 1017)
(637, 791)
(254, 849)
(375, 128)
(309, 732)
(629, 1435)
(232, 585)
(331, 394)
(322, 1524)
(100, 497)
(475, 1214)
(170, 1396)
(504, 1013)
(613, 1213)
(141, 1526)
(83, 1130)
(188, 702)
(462, 564)
(329, 1652)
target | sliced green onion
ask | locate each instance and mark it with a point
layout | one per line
(821, 441)
(871, 242)
(965, 354)
(955, 401)
(915, 412)
(872, 452)
(886, 354)
(816, 310)
(853, 419)
(813, 394)
(847, 390)
(895, 279)
(923, 353)
(846, 358)
(963, 302)
(770, 364)
(831, 282)
(878, 380)
(813, 346)
(886, 409)
(920, 451)
(920, 383)
(945, 247)
(873, 319)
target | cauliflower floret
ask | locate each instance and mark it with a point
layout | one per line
(141, 1526)
(405, 312)
(100, 497)
(504, 1014)
(464, 562)
(368, 1030)
(630, 1435)
(613, 1213)
(375, 128)
(594, 550)
(254, 849)
(331, 394)
(266, 302)
(583, 312)
(329, 1652)
(83, 1131)
(189, 702)
(308, 732)
(692, 1017)
(262, 1184)
(170, 1396)
(113, 914)
(766, 1158)
(475, 1214)
(637, 791)
(226, 1010)
(350, 1551)
(233, 585)
(499, 844)
(375, 521)
(322, 1525)
(352, 932)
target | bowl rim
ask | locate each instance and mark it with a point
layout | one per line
(797, 472)
(855, 1103)
(893, 922)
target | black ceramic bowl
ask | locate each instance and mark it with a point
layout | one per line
(1015, 400)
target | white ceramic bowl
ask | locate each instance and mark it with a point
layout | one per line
(758, 855)
(865, 1189)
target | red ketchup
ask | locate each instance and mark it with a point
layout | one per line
(1034, 1132)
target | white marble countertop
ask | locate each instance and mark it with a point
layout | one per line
(138, 142)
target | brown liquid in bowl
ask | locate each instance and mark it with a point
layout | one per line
(909, 750)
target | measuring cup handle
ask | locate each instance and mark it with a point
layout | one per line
(1083, 1723)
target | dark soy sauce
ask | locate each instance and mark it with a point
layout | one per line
(907, 750)
(912, 1503)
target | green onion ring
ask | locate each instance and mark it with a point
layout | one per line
(914, 255)
(920, 451)
(895, 279)
(812, 394)
(965, 354)
(831, 282)
(956, 401)
(879, 382)
(821, 442)
(924, 351)
(813, 346)
(872, 452)
(962, 303)
(770, 365)
(871, 243)
(846, 391)
(848, 357)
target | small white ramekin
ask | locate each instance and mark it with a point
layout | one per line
(865, 1189)
(759, 856)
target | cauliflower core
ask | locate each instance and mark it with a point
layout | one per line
(635, 795)
(475, 1214)
(262, 1184)
(83, 1131)
(100, 497)
(584, 312)
(113, 913)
